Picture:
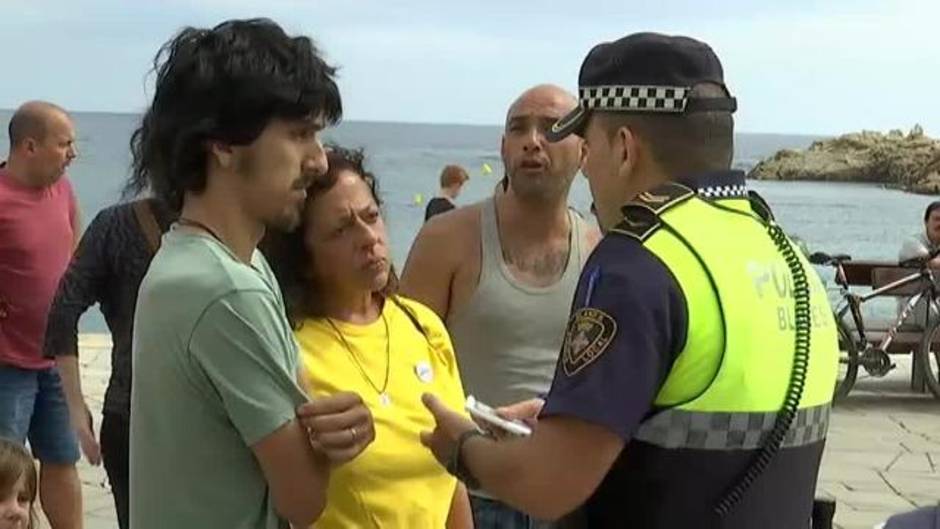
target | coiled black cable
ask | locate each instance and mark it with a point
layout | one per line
(791, 402)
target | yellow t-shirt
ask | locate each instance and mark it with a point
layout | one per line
(395, 482)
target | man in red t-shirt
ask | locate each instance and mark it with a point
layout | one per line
(38, 230)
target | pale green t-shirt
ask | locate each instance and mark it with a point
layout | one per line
(215, 371)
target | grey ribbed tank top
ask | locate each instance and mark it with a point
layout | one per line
(508, 336)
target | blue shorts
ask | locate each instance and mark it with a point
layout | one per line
(491, 514)
(33, 407)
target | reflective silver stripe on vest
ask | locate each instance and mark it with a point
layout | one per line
(676, 428)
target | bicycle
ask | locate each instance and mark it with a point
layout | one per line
(855, 349)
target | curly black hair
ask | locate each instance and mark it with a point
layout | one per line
(224, 84)
(291, 260)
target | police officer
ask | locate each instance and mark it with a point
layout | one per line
(695, 381)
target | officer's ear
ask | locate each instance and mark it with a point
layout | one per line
(626, 148)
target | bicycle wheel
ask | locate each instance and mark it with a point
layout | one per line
(848, 360)
(929, 358)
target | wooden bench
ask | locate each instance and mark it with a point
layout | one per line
(877, 274)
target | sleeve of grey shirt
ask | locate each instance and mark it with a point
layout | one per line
(913, 247)
(240, 345)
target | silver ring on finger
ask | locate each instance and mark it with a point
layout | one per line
(353, 433)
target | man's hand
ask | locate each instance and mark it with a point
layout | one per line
(84, 427)
(526, 411)
(339, 426)
(449, 426)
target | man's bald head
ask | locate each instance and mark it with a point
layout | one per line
(536, 169)
(544, 94)
(32, 121)
(42, 143)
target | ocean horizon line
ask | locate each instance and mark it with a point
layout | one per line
(445, 124)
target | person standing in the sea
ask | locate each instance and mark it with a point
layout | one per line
(453, 177)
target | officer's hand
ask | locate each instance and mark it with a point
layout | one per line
(526, 411)
(340, 426)
(450, 425)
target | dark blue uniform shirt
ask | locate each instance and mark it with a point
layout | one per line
(628, 324)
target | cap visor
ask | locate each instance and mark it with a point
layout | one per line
(573, 123)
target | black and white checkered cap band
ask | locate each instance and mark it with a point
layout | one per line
(669, 99)
(733, 191)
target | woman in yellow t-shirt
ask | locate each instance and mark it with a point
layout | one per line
(356, 334)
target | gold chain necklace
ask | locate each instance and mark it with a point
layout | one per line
(384, 399)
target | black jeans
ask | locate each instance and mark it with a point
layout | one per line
(115, 445)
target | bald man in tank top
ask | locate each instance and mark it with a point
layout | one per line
(502, 273)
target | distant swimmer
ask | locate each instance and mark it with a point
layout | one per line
(452, 179)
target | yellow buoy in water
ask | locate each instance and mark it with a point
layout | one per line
(486, 169)
(418, 199)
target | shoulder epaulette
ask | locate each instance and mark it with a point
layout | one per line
(641, 216)
(663, 197)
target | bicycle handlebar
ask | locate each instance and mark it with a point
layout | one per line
(822, 258)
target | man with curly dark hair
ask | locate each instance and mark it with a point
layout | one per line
(232, 141)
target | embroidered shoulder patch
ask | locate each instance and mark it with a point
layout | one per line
(589, 333)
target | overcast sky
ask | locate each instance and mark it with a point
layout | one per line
(798, 66)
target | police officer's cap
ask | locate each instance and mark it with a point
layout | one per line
(646, 73)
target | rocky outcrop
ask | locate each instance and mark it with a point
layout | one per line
(929, 182)
(909, 161)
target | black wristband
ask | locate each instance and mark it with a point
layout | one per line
(457, 466)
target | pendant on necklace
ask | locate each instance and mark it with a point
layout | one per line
(384, 399)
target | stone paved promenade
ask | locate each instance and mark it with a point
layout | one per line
(882, 457)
